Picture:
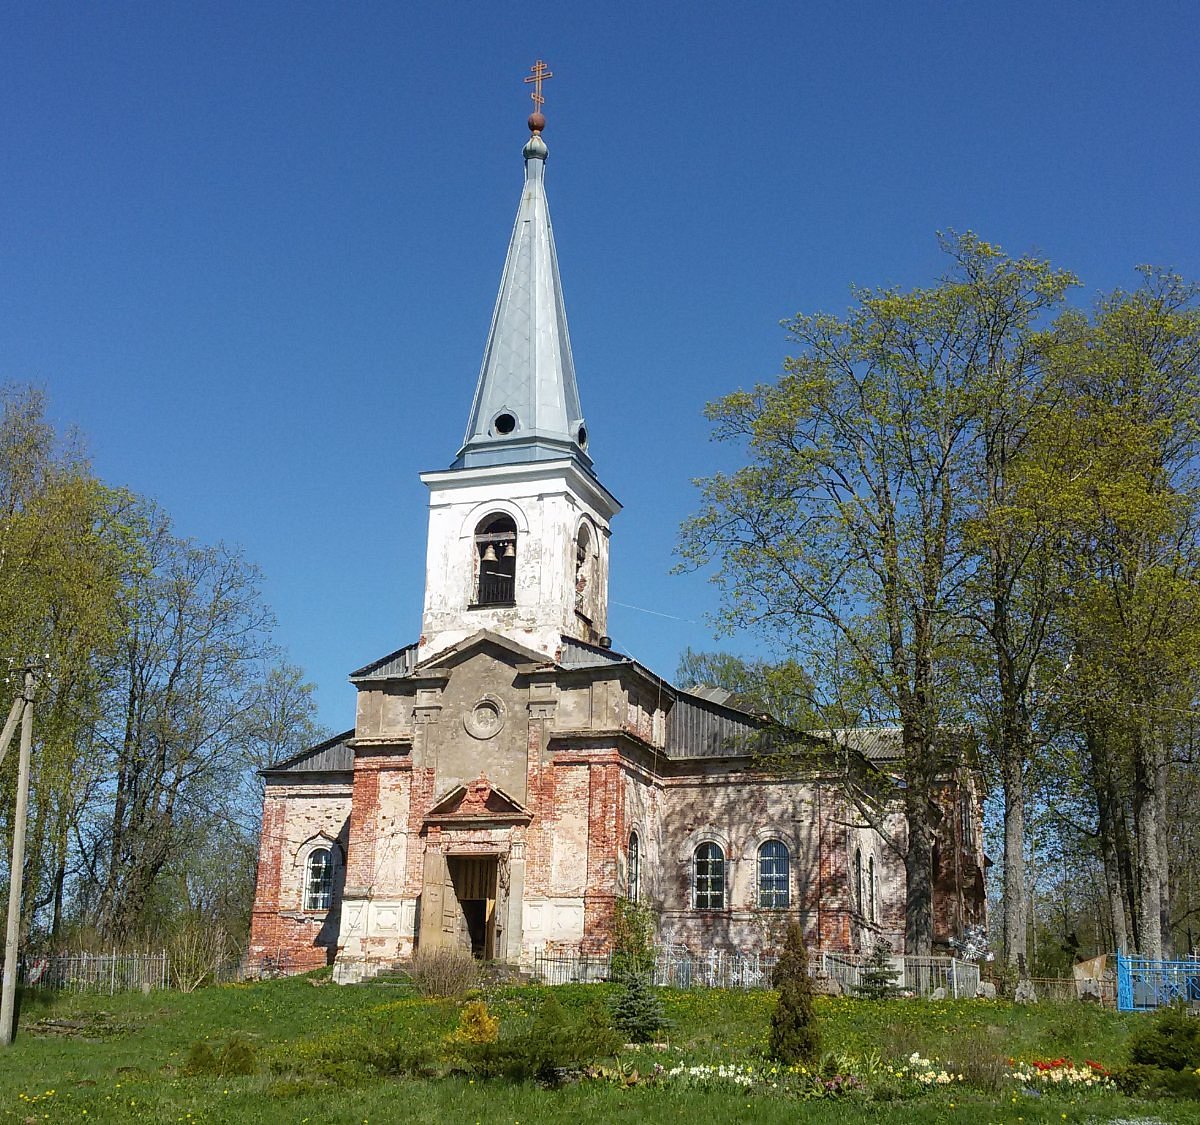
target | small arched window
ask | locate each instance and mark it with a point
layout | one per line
(858, 880)
(708, 877)
(496, 561)
(871, 900)
(583, 570)
(633, 869)
(773, 861)
(318, 880)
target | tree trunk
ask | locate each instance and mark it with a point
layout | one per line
(1110, 818)
(1146, 827)
(1016, 921)
(1163, 854)
(918, 870)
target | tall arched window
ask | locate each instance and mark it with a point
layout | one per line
(496, 560)
(633, 868)
(871, 910)
(583, 571)
(773, 875)
(858, 880)
(318, 880)
(708, 877)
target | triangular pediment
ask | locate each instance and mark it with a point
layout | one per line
(477, 800)
(507, 649)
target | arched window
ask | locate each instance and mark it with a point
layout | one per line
(708, 877)
(318, 880)
(773, 875)
(583, 571)
(871, 910)
(633, 869)
(858, 880)
(496, 560)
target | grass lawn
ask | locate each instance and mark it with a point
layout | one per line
(123, 1058)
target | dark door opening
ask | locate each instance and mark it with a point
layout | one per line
(474, 881)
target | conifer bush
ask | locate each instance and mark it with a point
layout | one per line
(795, 1037)
(877, 978)
(637, 1011)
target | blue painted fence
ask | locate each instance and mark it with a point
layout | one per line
(1143, 985)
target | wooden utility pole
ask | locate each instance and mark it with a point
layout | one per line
(23, 706)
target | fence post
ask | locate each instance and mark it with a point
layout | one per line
(953, 979)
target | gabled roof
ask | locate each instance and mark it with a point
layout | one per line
(478, 800)
(334, 755)
(482, 639)
(526, 405)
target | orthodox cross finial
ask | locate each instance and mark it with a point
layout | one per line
(539, 72)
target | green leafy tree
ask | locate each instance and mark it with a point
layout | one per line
(845, 533)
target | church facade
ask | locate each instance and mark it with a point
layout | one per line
(510, 775)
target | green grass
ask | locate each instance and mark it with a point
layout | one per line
(126, 1060)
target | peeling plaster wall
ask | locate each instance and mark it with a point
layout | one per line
(547, 501)
(576, 751)
(298, 817)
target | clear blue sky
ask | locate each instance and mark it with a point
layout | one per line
(251, 249)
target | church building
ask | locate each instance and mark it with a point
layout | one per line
(510, 775)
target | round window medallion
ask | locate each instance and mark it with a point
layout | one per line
(486, 718)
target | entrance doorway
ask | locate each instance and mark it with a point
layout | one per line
(474, 882)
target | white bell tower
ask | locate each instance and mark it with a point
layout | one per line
(519, 524)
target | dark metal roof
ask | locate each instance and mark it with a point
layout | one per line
(703, 728)
(579, 654)
(876, 744)
(396, 665)
(334, 755)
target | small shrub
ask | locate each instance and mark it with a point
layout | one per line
(794, 1035)
(877, 978)
(557, 1044)
(476, 1025)
(638, 1011)
(236, 1057)
(200, 1059)
(449, 972)
(405, 1058)
(1170, 1042)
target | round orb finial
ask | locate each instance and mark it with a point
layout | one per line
(535, 148)
(537, 122)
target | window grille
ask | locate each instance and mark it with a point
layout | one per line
(871, 898)
(708, 880)
(858, 880)
(773, 875)
(633, 869)
(318, 893)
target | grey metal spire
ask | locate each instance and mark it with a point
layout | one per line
(526, 405)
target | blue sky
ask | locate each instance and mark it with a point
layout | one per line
(251, 249)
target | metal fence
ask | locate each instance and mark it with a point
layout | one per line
(918, 975)
(1143, 984)
(97, 972)
(681, 968)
